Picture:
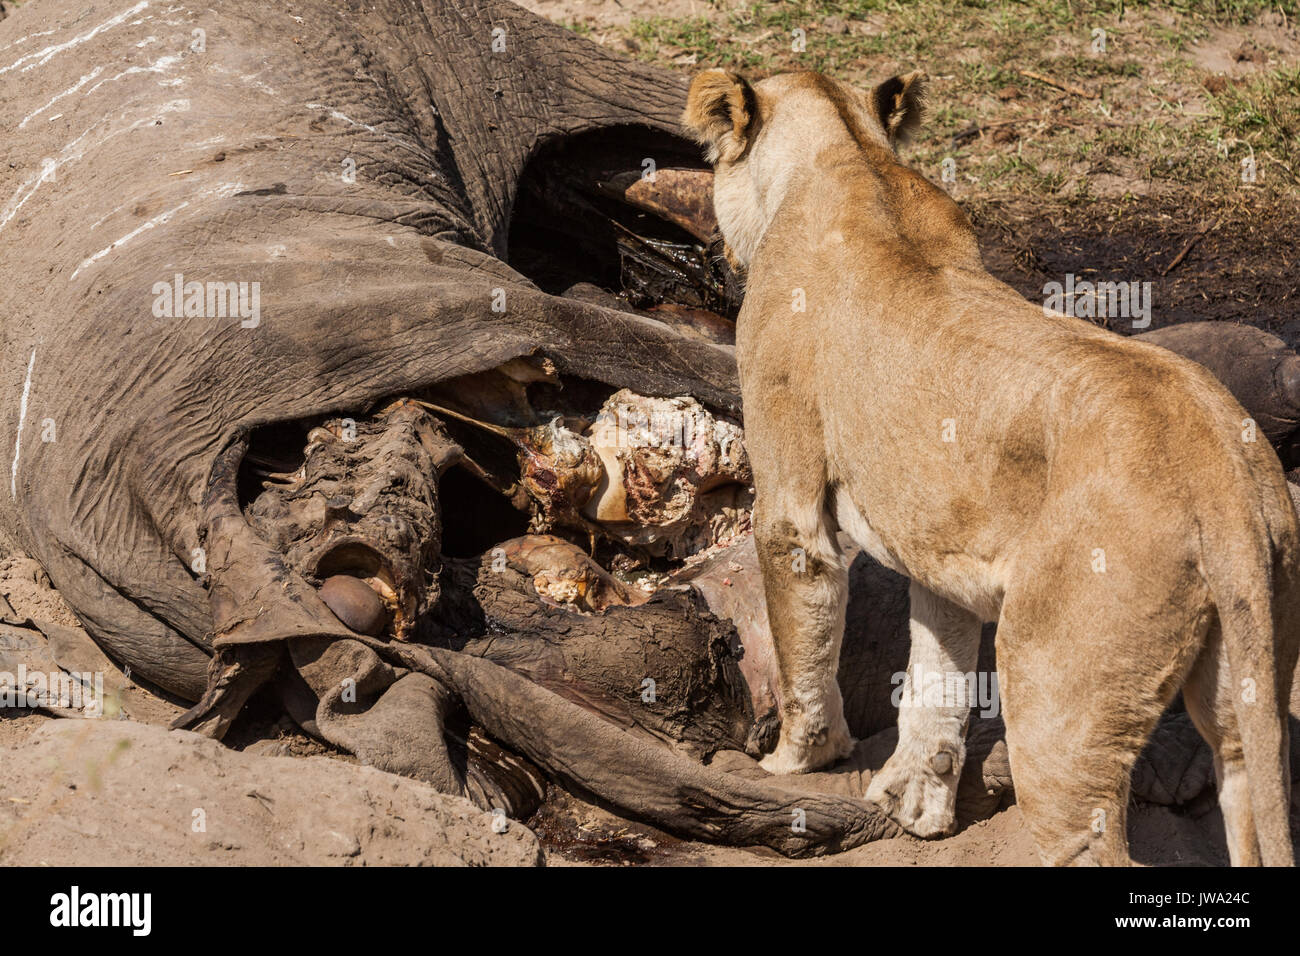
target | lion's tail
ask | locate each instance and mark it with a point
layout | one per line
(1239, 570)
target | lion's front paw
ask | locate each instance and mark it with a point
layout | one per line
(919, 794)
(812, 752)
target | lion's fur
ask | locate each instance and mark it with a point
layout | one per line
(1090, 493)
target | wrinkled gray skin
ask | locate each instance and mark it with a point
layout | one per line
(132, 156)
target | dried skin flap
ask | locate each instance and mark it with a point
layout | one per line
(365, 503)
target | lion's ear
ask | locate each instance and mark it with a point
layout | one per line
(898, 104)
(721, 111)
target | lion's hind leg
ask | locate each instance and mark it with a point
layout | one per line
(1081, 693)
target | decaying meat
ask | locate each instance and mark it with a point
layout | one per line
(676, 478)
(560, 471)
(563, 575)
(659, 475)
(360, 518)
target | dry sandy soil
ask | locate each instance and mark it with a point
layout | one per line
(1091, 175)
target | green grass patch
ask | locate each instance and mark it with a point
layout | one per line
(1264, 116)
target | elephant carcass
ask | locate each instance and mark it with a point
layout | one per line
(231, 161)
(1259, 369)
(214, 223)
(221, 221)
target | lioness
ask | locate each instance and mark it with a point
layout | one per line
(1099, 498)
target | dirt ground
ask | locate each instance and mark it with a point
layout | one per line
(108, 793)
(105, 810)
(1103, 164)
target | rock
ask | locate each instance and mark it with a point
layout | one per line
(121, 793)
